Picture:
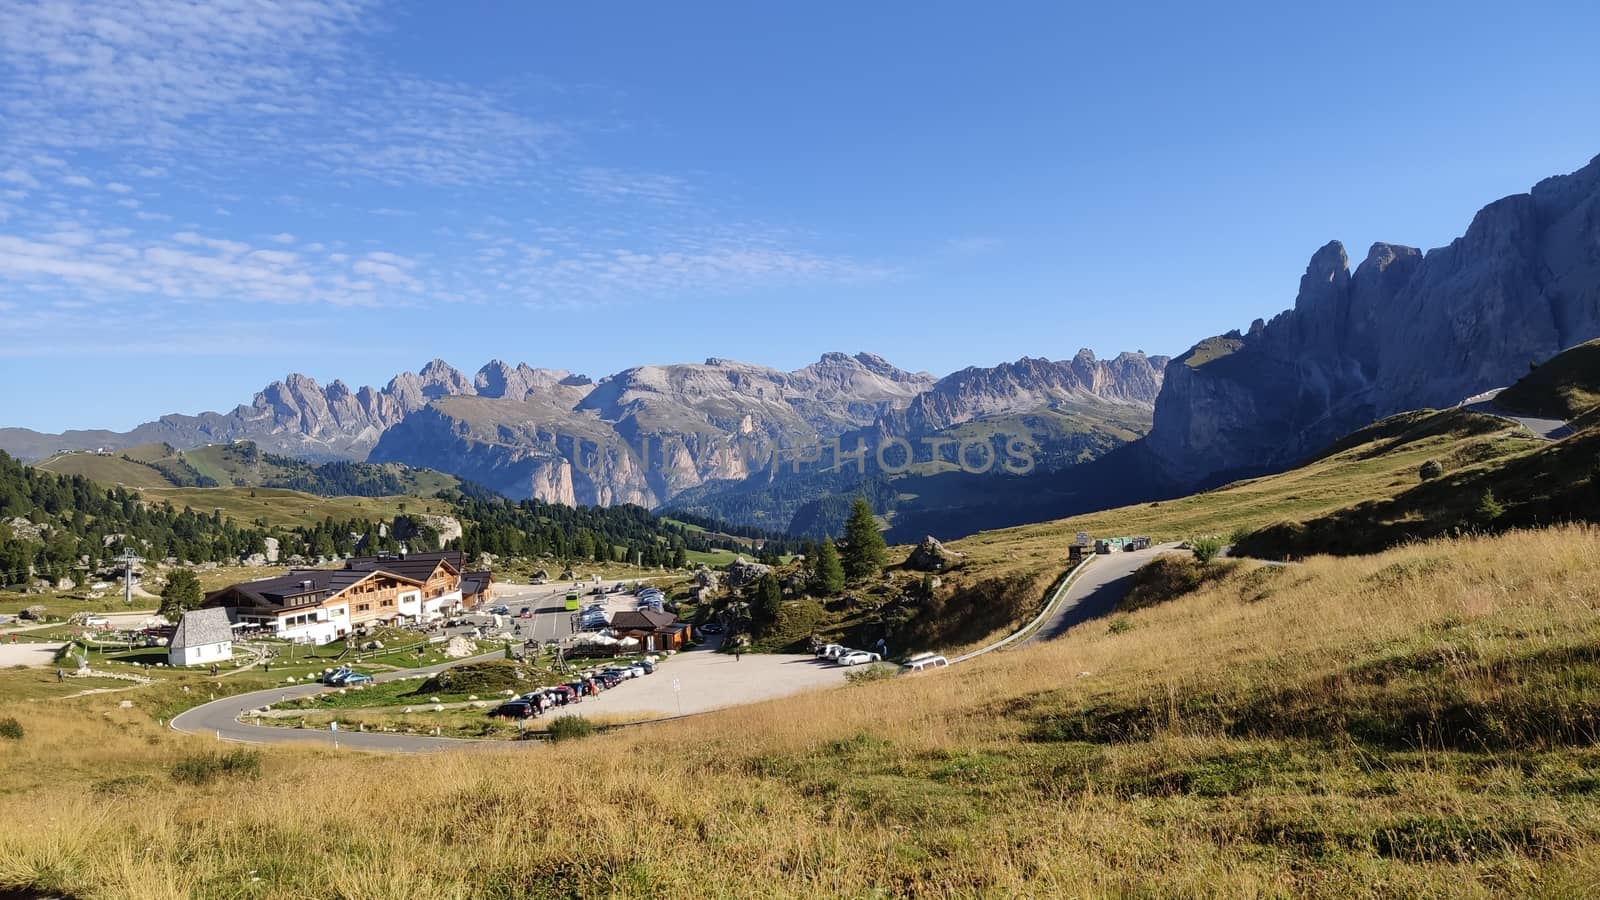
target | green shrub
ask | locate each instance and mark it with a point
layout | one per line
(10, 729)
(569, 727)
(1489, 508)
(203, 768)
(874, 672)
(1120, 625)
(1205, 548)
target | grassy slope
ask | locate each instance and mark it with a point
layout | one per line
(1420, 723)
(224, 463)
(1377, 462)
(1565, 387)
(290, 508)
(112, 470)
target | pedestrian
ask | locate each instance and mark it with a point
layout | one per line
(266, 665)
(737, 652)
(60, 676)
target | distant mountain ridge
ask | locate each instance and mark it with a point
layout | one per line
(640, 436)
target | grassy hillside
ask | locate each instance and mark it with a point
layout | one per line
(1556, 482)
(1377, 462)
(1565, 387)
(111, 470)
(288, 509)
(242, 464)
(1418, 723)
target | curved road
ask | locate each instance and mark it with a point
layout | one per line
(220, 718)
(1549, 429)
(1096, 591)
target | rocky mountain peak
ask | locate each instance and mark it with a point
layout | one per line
(1407, 330)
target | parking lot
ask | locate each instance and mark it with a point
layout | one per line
(700, 680)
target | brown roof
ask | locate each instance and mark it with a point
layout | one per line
(643, 620)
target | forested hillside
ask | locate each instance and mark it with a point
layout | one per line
(532, 528)
(64, 526)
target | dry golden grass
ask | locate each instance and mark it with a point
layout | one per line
(1257, 759)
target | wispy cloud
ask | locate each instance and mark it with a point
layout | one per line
(200, 104)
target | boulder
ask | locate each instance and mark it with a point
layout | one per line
(741, 572)
(272, 549)
(931, 556)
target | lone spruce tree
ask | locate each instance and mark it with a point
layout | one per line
(827, 577)
(864, 550)
(181, 594)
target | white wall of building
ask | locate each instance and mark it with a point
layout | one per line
(441, 606)
(203, 654)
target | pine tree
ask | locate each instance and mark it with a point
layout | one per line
(181, 593)
(864, 550)
(827, 573)
(769, 598)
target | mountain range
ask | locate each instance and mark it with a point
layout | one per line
(1404, 330)
(647, 434)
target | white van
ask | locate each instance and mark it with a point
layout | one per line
(923, 661)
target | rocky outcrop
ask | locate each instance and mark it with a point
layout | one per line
(742, 571)
(931, 556)
(1405, 330)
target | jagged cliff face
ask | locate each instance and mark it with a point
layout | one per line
(1406, 330)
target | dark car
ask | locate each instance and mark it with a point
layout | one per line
(515, 709)
(711, 628)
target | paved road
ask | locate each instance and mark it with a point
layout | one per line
(1096, 591)
(1549, 429)
(220, 718)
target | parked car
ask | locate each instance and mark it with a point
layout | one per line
(857, 658)
(648, 667)
(711, 628)
(516, 709)
(830, 651)
(525, 613)
(500, 610)
(924, 661)
(96, 622)
(355, 678)
(337, 677)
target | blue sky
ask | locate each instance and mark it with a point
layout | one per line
(197, 199)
